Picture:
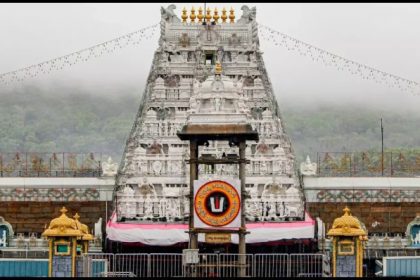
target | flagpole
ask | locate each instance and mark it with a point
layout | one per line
(382, 136)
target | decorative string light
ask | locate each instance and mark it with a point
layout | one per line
(267, 33)
(84, 55)
(343, 64)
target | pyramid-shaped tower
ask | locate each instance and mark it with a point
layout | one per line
(153, 177)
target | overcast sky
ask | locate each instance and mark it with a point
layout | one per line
(385, 36)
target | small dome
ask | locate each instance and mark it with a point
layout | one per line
(83, 228)
(62, 226)
(347, 225)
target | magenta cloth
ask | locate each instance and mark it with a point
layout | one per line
(158, 234)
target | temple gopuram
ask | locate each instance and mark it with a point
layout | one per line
(207, 65)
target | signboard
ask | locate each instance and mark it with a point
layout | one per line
(190, 256)
(218, 238)
(217, 203)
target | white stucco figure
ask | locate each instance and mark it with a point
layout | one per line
(98, 228)
(109, 168)
(163, 206)
(308, 168)
(148, 207)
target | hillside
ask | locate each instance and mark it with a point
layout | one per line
(48, 120)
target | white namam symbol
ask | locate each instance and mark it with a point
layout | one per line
(216, 204)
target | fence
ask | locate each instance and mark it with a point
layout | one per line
(209, 265)
(50, 165)
(395, 164)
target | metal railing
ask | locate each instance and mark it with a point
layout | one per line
(271, 265)
(165, 265)
(50, 165)
(305, 265)
(394, 164)
(138, 264)
(230, 264)
(209, 265)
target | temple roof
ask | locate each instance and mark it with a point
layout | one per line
(347, 225)
(63, 226)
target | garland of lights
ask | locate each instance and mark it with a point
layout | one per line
(80, 56)
(339, 62)
(267, 33)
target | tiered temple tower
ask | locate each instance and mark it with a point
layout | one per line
(152, 181)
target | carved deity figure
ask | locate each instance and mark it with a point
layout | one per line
(163, 203)
(307, 168)
(177, 208)
(217, 104)
(170, 211)
(220, 54)
(168, 14)
(131, 209)
(98, 228)
(140, 206)
(272, 207)
(109, 168)
(193, 104)
(148, 207)
(155, 203)
(416, 239)
(281, 209)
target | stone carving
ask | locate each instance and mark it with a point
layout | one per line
(220, 54)
(308, 168)
(272, 208)
(177, 58)
(184, 41)
(20, 241)
(168, 14)
(155, 148)
(234, 40)
(148, 206)
(98, 229)
(248, 14)
(242, 57)
(109, 168)
(6, 232)
(32, 240)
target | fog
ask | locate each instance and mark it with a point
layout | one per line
(384, 36)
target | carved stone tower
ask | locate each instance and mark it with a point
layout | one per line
(212, 65)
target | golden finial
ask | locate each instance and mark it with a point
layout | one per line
(184, 15)
(63, 210)
(232, 15)
(76, 216)
(192, 15)
(224, 16)
(200, 15)
(218, 69)
(215, 15)
(208, 16)
(346, 211)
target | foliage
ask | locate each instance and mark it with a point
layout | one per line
(66, 120)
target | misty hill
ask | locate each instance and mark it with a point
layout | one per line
(66, 120)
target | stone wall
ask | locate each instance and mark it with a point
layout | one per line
(390, 216)
(27, 217)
